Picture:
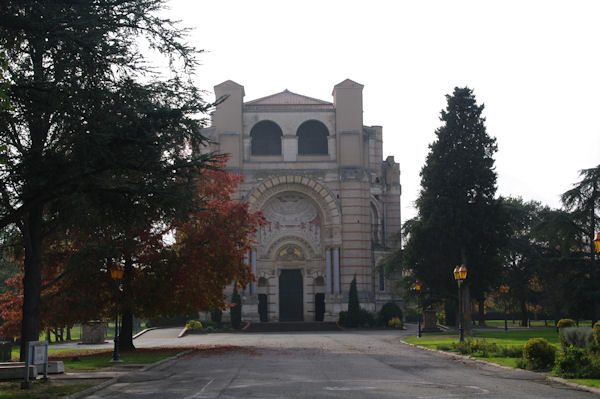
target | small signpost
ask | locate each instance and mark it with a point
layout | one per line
(37, 354)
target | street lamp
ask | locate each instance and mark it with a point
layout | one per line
(116, 273)
(597, 242)
(418, 288)
(460, 274)
(504, 291)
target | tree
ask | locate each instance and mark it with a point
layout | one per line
(70, 135)
(583, 201)
(459, 219)
(353, 318)
(236, 309)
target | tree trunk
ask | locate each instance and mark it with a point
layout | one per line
(481, 309)
(126, 335)
(524, 314)
(450, 309)
(32, 280)
(68, 333)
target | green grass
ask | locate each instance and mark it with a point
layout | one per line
(590, 382)
(96, 361)
(41, 389)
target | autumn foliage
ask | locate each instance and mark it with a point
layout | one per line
(170, 269)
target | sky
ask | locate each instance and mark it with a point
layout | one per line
(534, 64)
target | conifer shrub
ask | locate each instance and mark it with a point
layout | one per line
(236, 309)
(388, 311)
(597, 333)
(578, 337)
(539, 354)
(216, 316)
(563, 323)
(353, 317)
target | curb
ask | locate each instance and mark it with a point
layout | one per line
(114, 380)
(145, 331)
(182, 333)
(557, 380)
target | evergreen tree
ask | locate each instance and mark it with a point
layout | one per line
(72, 138)
(583, 200)
(353, 318)
(236, 309)
(459, 219)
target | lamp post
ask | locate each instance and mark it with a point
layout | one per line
(116, 273)
(460, 274)
(504, 291)
(418, 288)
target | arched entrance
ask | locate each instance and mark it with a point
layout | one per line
(291, 296)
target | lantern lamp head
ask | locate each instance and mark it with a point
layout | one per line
(116, 273)
(463, 272)
(597, 242)
(417, 286)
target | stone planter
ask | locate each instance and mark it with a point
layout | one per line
(93, 332)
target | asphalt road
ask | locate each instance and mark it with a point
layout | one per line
(361, 364)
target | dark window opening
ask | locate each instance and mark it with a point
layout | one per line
(312, 138)
(266, 138)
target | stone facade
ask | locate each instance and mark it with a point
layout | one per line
(332, 204)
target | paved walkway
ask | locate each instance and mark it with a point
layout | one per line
(346, 364)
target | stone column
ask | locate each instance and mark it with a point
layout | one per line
(328, 270)
(336, 270)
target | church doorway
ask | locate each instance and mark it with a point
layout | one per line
(263, 309)
(291, 296)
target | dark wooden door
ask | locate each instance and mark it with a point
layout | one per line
(290, 296)
(263, 307)
(319, 307)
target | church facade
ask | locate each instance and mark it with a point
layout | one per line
(330, 201)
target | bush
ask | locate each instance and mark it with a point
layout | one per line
(563, 323)
(236, 309)
(597, 333)
(579, 337)
(395, 323)
(539, 354)
(481, 347)
(388, 311)
(353, 318)
(194, 325)
(515, 351)
(216, 316)
(575, 363)
(365, 319)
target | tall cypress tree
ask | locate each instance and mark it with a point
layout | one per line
(459, 219)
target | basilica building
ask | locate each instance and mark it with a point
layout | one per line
(330, 200)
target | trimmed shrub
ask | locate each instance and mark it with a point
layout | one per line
(539, 354)
(575, 363)
(470, 347)
(597, 333)
(353, 318)
(216, 316)
(194, 325)
(366, 318)
(579, 337)
(563, 323)
(388, 311)
(395, 323)
(236, 309)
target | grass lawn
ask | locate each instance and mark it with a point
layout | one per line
(80, 360)
(443, 341)
(42, 389)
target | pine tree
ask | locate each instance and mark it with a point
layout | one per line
(459, 219)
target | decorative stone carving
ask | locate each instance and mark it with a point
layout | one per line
(290, 252)
(291, 214)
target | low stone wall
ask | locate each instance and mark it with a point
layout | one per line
(93, 332)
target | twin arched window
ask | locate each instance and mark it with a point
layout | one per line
(312, 138)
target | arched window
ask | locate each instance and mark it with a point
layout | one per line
(266, 138)
(312, 138)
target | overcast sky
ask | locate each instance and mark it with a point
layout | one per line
(534, 64)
